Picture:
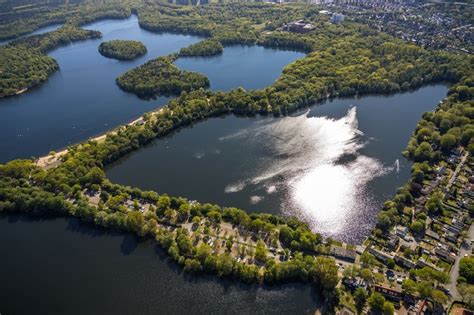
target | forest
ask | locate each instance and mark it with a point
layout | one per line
(51, 40)
(204, 48)
(24, 63)
(122, 49)
(23, 68)
(343, 60)
(160, 77)
(18, 21)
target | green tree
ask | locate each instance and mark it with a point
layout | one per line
(135, 222)
(376, 302)
(466, 269)
(261, 252)
(360, 297)
(388, 308)
(448, 141)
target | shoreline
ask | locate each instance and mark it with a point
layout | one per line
(49, 161)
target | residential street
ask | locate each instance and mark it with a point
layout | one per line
(465, 249)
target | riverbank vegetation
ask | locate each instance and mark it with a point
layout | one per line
(343, 60)
(437, 134)
(160, 77)
(22, 68)
(21, 20)
(202, 49)
(24, 63)
(122, 49)
(52, 40)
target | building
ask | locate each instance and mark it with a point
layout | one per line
(407, 263)
(337, 18)
(401, 231)
(380, 255)
(443, 251)
(392, 242)
(390, 293)
(343, 253)
(299, 26)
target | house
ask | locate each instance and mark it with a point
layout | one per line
(441, 170)
(432, 234)
(443, 252)
(401, 230)
(392, 242)
(421, 307)
(423, 263)
(390, 293)
(343, 253)
(380, 255)
(345, 311)
(451, 236)
(407, 263)
(354, 283)
(299, 26)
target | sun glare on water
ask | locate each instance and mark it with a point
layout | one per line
(316, 163)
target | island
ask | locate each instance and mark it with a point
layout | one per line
(160, 77)
(122, 49)
(415, 253)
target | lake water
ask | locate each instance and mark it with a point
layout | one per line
(62, 267)
(250, 67)
(82, 100)
(333, 165)
(41, 30)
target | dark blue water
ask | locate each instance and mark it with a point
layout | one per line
(333, 166)
(250, 67)
(82, 99)
(62, 267)
(41, 30)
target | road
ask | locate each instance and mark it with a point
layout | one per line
(453, 275)
(458, 169)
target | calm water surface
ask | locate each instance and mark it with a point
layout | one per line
(41, 30)
(333, 166)
(62, 267)
(82, 99)
(250, 67)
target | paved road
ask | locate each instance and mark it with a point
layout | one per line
(458, 168)
(453, 276)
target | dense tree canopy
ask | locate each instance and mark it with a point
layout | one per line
(23, 63)
(23, 68)
(122, 49)
(204, 48)
(160, 77)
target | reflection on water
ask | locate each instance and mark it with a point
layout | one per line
(332, 166)
(317, 167)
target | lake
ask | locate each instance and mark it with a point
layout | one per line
(60, 266)
(82, 100)
(250, 67)
(332, 166)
